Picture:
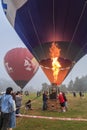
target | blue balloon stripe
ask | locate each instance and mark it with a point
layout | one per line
(4, 5)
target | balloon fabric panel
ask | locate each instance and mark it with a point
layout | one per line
(39, 23)
(20, 65)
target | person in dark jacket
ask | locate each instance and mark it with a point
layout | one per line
(66, 104)
(28, 105)
(45, 98)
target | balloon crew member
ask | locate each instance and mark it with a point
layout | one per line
(62, 101)
(28, 105)
(66, 101)
(7, 106)
(45, 98)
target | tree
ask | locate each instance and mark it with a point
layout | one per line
(63, 88)
(70, 86)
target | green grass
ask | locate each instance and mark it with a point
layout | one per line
(77, 108)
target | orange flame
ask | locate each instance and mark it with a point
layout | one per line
(54, 54)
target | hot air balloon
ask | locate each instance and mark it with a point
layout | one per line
(55, 31)
(20, 65)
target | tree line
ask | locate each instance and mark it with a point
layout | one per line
(80, 84)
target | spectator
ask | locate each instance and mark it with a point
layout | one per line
(12, 122)
(18, 101)
(7, 106)
(74, 94)
(81, 94)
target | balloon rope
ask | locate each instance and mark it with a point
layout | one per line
(66, 17)
(27, 44)
(32, 101)
(80, 52)
(24, 109)
(77, 26)
(53, 22)
(77, 56)
(35, 30)
(48, 68)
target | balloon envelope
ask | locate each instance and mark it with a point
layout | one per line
(39, 23)
(20, 65)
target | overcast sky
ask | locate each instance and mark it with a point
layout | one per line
(9, 39)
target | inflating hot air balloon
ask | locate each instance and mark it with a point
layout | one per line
(20, 65)
(55, 31)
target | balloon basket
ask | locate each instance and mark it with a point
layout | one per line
(53, 103)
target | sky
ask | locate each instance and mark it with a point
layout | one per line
(9, 40)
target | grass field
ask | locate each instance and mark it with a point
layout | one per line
(77, 108)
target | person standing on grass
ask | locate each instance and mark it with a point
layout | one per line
(7, 106)
(12, 121)
(45, 98)
(66, 104)
(18, 101)
(62, 101)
